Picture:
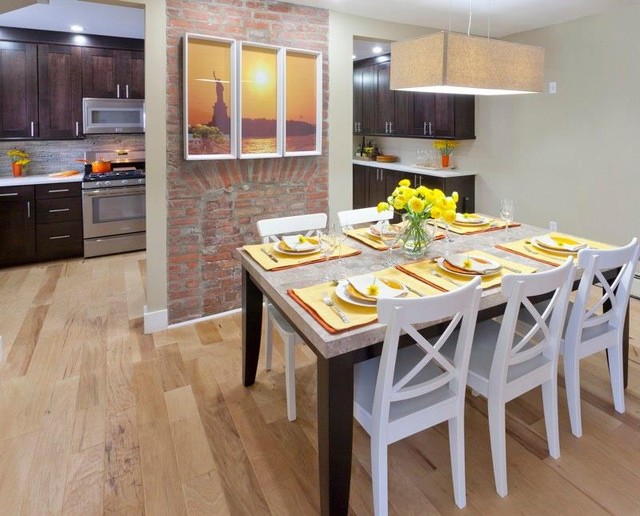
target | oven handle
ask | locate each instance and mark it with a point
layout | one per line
(117, 191)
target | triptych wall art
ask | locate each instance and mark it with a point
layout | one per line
(249, 100)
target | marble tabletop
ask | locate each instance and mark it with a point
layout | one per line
(276, 283)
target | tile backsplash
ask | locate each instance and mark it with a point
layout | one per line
(49, 156)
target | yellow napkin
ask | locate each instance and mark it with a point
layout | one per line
(260, 253)
(424, 269)
(525, 248)
(310, 298)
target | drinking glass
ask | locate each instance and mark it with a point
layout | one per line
(507, 212)
(328, 243)
(389, 234)
(340, 233)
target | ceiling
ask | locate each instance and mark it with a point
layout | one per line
(505, 16)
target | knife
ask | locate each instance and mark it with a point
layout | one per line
(414, 291)
(269, 254)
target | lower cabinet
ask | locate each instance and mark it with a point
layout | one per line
(372, 185)
(40, 223)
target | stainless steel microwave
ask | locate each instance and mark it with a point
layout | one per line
(109, 116)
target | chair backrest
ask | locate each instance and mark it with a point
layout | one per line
(270, 229)
(362, 215)
(543, 337)
(588, 308)
(401, 315)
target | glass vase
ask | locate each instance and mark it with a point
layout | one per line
(418, 235)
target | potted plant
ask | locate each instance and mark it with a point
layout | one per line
(19, 158)
(445, 147)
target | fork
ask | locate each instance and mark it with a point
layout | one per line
(329, 302)
(456, 283)
(545, 256)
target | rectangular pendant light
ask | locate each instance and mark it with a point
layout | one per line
(449, 62)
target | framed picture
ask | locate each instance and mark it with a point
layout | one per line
(209, 98)
(302, 103)
(260, 100)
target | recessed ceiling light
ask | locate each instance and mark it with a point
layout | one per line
(353, 56)
(376, 50)
(77, 28)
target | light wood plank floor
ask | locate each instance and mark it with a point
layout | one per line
(96, 417)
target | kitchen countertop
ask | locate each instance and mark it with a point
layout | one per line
(38, 180)
(413, 169)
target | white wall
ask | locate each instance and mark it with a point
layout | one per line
(573, 157)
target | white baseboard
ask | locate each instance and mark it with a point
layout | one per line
(205, 318)
(155, 321)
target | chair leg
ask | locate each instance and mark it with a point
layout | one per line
(617, 377)
(290, 375)
(379, 479)
(456, 449)
(497, 433)
(268, 341)
(572, 385)
(550, 404)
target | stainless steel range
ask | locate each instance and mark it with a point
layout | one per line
(113, 204)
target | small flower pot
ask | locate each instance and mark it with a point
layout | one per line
(17, 169)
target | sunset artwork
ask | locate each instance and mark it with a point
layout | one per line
(301, 111)
(209, 102)
(259, 100)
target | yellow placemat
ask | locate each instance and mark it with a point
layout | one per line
(525, 248)
(310, 298)
(447, 281)
(272, 260)
(491, 225)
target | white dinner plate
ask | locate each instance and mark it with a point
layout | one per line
(495, 270)
(549, 242)
(278, 247)
(341, 292)
(473, 220)
(557, 252)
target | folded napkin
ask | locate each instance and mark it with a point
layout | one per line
(445, 281)
(310, 298)
(491, 224)
(525, 248)
(467, 264)
(271, 260)
(300, 243)
(560, 243)
(371, 287)
(471, 218)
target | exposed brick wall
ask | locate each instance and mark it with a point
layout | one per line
(213, 205)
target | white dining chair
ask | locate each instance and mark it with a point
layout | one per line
(593, 326)
(505, 364)
(269, 230)
(405, 391)
(362, 216)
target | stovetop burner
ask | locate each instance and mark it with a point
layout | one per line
(127, 169)
(127, 173)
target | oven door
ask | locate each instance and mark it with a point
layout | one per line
(113, 211)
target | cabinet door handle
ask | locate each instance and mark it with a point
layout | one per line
(33, 129)
(28, 209)
(386, 127)
(381, 174)
(60, 190)
(126, 91)
(77, 128)
(355, 127)
(390, 127)
(117, 91)
(59, 210)
(424, 128)
(430, 133)
(59, 237)
(12, 194)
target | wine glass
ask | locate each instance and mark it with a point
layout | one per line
(506, 212)
(328, 243)
(389, 234)
(340, 233)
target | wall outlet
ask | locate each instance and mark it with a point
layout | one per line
(553, 226)
(553, 88)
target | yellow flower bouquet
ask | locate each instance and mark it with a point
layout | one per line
(420, 204)
(445, 147)
(18, 156)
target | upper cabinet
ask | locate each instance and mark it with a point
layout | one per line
(109, 73)
(44, 76)
(380, 111)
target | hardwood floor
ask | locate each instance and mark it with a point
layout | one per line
(96, 417)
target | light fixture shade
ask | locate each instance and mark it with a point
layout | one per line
(448, 62)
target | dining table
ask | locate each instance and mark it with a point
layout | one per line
(338, 349)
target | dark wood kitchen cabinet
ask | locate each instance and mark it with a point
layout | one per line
(17, 229)
(111, 73)
(407, 114)
(18, 90)
(59, 92)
